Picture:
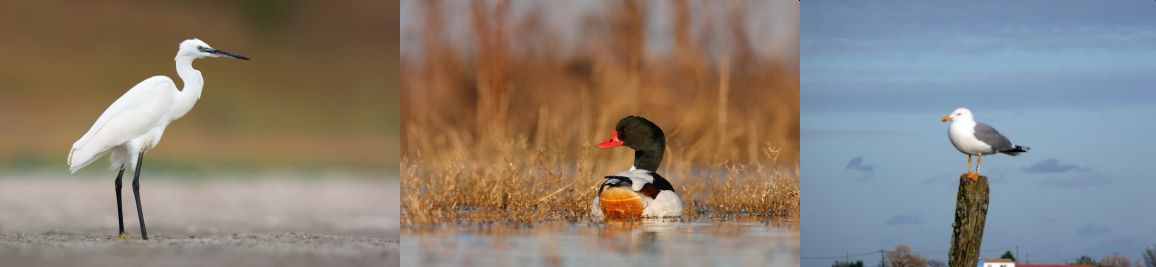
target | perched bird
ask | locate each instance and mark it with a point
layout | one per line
(977, 139)
(640, 191)
(134, 123)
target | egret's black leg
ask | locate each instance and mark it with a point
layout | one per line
(119, 210)
(136, 192)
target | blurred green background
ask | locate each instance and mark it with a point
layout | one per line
(320, 93)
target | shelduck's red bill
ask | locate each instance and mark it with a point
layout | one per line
(613, 142)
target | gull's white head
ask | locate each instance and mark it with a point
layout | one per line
(195, 48)
(960, 114)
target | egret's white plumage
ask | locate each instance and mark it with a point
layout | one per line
(132, 124)
(135, 122)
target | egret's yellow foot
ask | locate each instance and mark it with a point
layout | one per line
(974, 176)
(123, 237)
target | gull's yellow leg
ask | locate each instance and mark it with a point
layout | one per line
(968, 163)
(978, 162)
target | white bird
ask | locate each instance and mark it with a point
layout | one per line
(977, 139)
(135, 122)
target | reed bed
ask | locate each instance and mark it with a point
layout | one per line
(501, 128)
(525, 187)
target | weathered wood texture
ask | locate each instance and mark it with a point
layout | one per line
(970, 215)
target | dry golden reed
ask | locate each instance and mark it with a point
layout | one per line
(501, 129)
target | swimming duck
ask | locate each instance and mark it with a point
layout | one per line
(640, 191)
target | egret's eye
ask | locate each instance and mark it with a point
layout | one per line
(203, 49)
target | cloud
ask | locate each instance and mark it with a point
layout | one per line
(1080, 180)
(1092, 229)
(856, 164)
(867, 61)
(1052, 165)
(906, 219)
(849, 133)
(1077, 176)
(859, 28)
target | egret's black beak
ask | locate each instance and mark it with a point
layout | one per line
(223, 53)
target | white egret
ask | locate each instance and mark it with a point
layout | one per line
(135, 122)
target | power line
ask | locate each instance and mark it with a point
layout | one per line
(867, 253)
(841, 256)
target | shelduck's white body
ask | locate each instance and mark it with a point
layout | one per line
(666, 203)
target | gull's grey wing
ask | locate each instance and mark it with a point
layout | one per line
(993, 138)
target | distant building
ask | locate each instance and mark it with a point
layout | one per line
(999, 263)
(1053, 265)
(1010, 263)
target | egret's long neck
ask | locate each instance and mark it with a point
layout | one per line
(191, 92)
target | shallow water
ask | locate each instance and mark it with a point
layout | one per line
(60, 248)
(646, 243)
(249, 220)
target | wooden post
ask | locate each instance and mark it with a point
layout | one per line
(970, 215)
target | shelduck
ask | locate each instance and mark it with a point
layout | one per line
(640, 191)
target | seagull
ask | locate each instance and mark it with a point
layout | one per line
(977, 139)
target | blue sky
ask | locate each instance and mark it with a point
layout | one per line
(1074, 80)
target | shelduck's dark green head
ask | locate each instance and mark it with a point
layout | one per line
(643, 136)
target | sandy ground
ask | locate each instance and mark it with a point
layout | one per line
(240, 221)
